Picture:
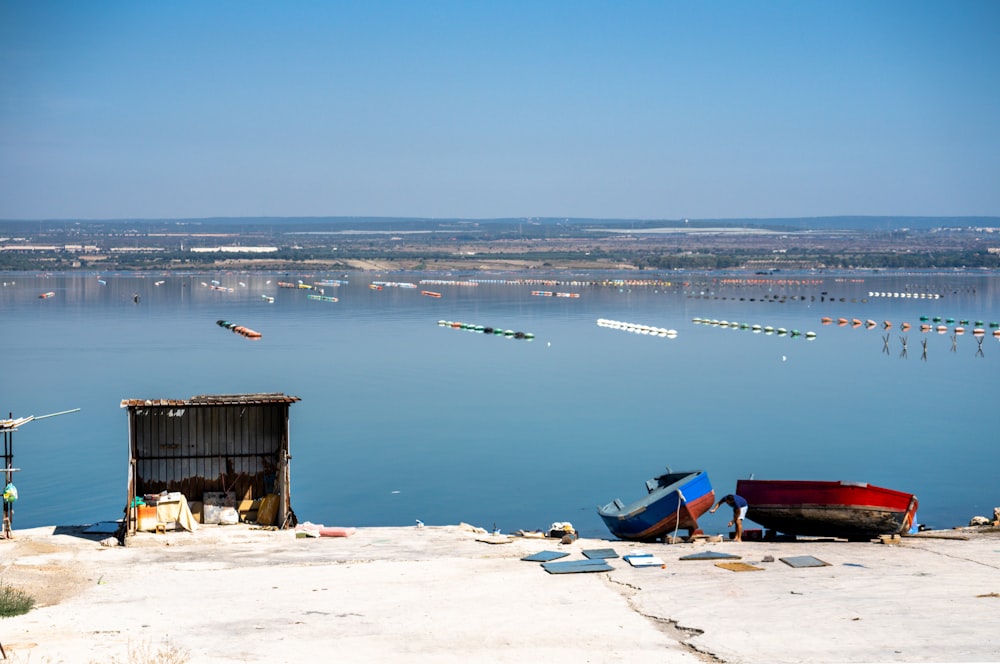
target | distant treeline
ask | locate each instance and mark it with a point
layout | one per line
(283, 225)
(700, 260)
(886, 260)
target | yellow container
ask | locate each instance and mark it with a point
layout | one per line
(146, 517)
(268, 510)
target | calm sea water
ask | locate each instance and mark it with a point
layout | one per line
(402, 419)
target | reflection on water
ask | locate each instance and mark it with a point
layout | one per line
(403, 418)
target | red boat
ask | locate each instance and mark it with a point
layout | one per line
(854, 510)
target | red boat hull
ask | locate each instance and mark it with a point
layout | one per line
(854, 510)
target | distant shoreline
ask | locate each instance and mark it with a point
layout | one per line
(832, 243)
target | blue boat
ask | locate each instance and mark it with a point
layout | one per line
(673, 501)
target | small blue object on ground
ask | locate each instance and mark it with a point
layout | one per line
(545, 556)
(577, 566)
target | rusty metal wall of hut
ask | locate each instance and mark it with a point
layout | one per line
(198, 448)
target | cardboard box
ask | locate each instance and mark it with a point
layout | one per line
(196, 510)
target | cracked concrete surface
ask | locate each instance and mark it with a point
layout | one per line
(229, 593)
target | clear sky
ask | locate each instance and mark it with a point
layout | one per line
(484, 109)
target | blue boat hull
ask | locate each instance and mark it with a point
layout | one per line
(674, 501)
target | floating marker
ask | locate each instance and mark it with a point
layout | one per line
(485, 329)
(239, 329)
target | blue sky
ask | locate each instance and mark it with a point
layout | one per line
(499, 109)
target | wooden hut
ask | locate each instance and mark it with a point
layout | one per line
(230, 445)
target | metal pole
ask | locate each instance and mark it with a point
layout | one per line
(8, 464)
(8, 456)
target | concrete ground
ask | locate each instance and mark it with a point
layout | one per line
(451, 594)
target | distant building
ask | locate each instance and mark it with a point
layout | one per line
(30, 248)
(234, 249)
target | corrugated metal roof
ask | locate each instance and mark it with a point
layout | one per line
(213, 399)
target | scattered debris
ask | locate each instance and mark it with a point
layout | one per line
(599, 553)
(561, 529)
(709, 555)
(475, 529)
(577, 566)
(640, 559)
(545, 556)
(804, 561)
(739, 567)
(536, 534)
(308, 529)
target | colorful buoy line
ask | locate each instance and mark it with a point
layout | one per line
(322, 298)
(961, 321)
(770, 282)
(395, 284)
(772, 298)
(612, 283)
(332, 282)
(430, 293)
(935, 324)
(919, 296)
(447, 282)
(766, 329)
(485, 329)
(637, 328)
(857, 322)
(239, 329)
(543, 293)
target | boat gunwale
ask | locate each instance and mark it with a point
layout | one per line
(640, 505)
